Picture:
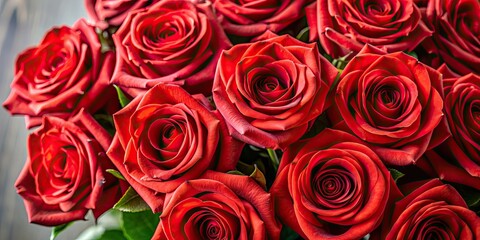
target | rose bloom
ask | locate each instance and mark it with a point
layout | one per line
(343, 26)
(462, 108)
(218, 206)
(251, 19)
(393, 102)
(332, 186)
(455, 40)
(171, 41)
(431, 211)
(64, 175)
(166, 137)
(112, 13)
(270, 91)
(65, 72)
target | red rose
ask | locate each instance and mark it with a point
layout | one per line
(166, 137)
(270, 91)
(462, 108)
(343, 26)
(248, 19)
(64, 73)
(218, 206)
(332, 186)
(170, 42)
(455, 40)
(437, 166)
(393, 102)
(107, 13)
(64, 175)
(432, 211)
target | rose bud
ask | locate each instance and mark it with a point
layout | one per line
(332, 186)
(218, 206)
(270, 91)
(65, 72)
(393, 102)
(166, 137)
(64, 175)
(455, 40)
(112, 13)
(248, 19)
(431, 211)
(345, 26)
(172, 41)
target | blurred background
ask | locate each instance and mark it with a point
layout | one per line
(23, 23)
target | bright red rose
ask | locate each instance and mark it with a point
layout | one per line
(462, 108)
(432, 211)
(270, 91)
(393, 102)
(218, 206)
(332, 186)
(343, 26)
(251, 19)
(65, 72)
(64, 175)
(456, 36)
(166, 137)
(107, 13)
(172, 41)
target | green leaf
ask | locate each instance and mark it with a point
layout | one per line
(115, 173)
(236, 172)
(258, 176)
(288, 234)
(58, 229)
(413, 54)
(395, 174)
(131, 202)
(122, 97)
(274, 158)
(100, 233)
(303, 34)
(140, 225)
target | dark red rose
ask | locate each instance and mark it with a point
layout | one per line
(166, 137)
(65, 72)
(218, 206)
(462, 108)
(107, 13)
(253, 18)
(456, 36)
(343, 26)
(437, 166)
(270, 91)
(432, 211)
(172, 41)
(393, 102)
(332, 186)
(64, 175)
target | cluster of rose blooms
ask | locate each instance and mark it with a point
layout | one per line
(212, 92)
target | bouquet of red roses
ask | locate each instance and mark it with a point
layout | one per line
(265, 119)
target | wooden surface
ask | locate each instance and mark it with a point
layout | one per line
(23, 23)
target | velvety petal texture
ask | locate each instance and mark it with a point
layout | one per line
(343, 26)
(64, 175)
(462, 108)
(112, 13)
(393, 102)
(249, 18)
(172, 41)
(431, 211)
(65, 72)
(456, 37)
(166, 137)
(332, 186)
(271, 90)
(218, 206)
